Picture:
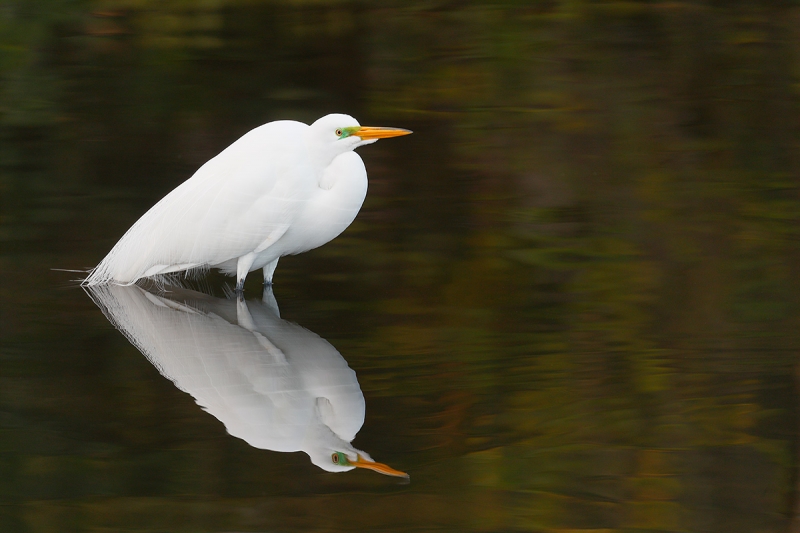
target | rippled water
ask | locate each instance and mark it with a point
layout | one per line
(570, 301)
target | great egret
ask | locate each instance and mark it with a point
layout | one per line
(274, 384)
(281, 189)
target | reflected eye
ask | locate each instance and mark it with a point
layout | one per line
(339, 132)
(335, 458)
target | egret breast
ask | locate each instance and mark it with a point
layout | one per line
(314, 208)
(329, 211)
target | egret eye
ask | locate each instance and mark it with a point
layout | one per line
(335, 458)
(339, 132)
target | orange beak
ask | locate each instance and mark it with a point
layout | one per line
(375, 132)
(378, 467)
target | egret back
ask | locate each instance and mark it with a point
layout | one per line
(225, 210)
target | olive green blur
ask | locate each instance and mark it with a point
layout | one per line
(572, 297)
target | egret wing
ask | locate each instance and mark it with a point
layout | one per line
(229, 207)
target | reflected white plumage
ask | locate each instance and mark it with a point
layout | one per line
(274, 384)
(282, 189)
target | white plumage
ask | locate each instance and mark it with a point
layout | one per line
(272, 383)
(281, 189)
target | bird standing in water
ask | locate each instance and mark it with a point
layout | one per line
(282, 189)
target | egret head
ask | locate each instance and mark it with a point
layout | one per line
(362, 460)
(342, 461)
(336, 134)
(333, 454)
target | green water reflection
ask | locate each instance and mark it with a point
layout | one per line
(571, 298)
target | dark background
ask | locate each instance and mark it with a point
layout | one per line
(571, 297)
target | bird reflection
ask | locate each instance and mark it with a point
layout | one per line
(274, 384)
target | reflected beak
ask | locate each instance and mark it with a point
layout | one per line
(378, 467)
(374, 132)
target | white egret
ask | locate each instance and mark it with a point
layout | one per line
(283, 188)
(274, 384)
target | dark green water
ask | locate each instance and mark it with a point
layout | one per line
(571, 299)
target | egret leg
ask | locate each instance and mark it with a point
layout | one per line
(269, 270)
(242, 268)
(243, 316)
(269, 300)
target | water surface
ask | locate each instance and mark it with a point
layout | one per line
(570, 300)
